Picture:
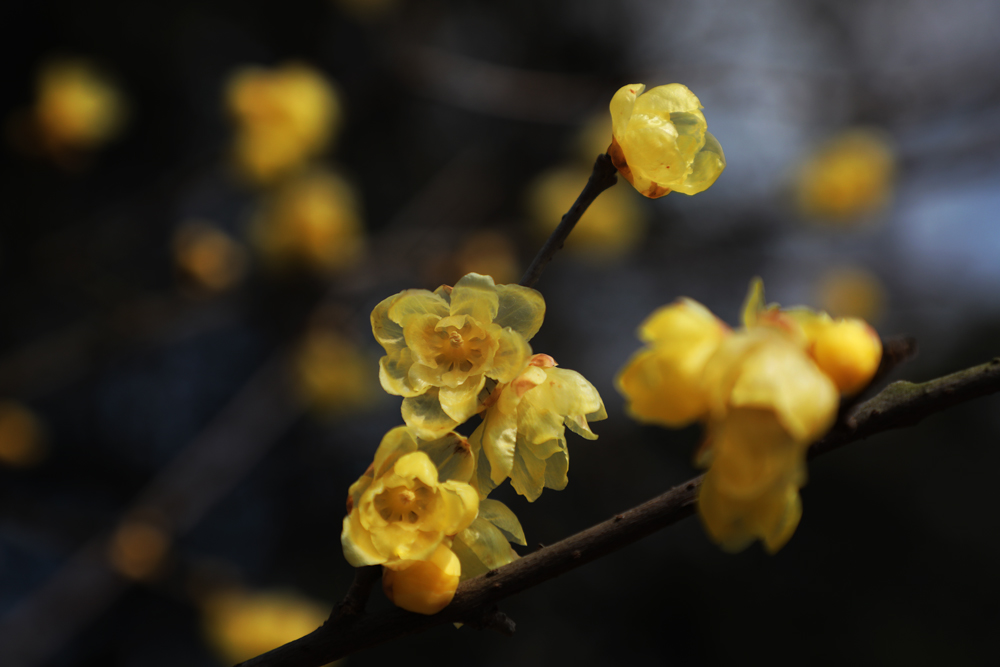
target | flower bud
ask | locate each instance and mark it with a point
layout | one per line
(423, 586)
(849, 352)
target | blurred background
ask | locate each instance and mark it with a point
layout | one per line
(202, 202)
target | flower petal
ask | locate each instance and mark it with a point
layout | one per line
(462, 402)
(475, 295)
(621, 107)
(503, 518)
(511, 356)
(356, 541)
(521, 309)
(528, 474)
(416, 302)
(424, 414)
(396, 443)
(394, 373)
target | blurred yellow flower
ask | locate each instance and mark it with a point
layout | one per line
(284, 116)
(442, 346)
(22, 441)
(423, 586)
(208, 257)
(77, 107)
(851, 292)
(765, 392)
(611, 226)
(139, 547)
(489, 253)
(312, 220)
(659, 140)
(523, 432)
(848, 178)
(402, 509)
(240, 625)
(333, 374)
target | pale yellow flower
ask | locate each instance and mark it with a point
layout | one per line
(848, 178)
(402, 508)
(660, 142)
(611, 226)
(523, 432)
(442, 346)
(311, 220)
(284, 116)
(77, 107)
(333, 374)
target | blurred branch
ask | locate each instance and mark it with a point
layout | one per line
(603, 177)
(898, 405)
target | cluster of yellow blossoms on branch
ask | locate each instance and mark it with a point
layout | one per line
(764, 393)
(421, 509)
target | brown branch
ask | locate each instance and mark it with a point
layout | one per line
(603, 177)
(899, 404)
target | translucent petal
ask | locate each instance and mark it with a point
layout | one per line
(709, 163)
(652, 152)
(388, 333)
(754, 303)
(751, 453)
(482, 482)
(520, 308)
(394, 373)
(783, 527)
(670, 98)
(487, 542)
(621, 107)
(536, 426)
(451, 456)
(356, 541)
(472, 566)
(396, 443)
(476, 296)
(528, 474)
(424, 414)
(462, 402)
(566, 392)
(416, 302)
(503, 518)
(722, 519)
(497, 436)
(423, 338)
(511, 356)
(556, 471)
(458, 508)
(417, 466)
(685, 319)
(399, 543)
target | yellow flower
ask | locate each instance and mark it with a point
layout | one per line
(765, 392)
(242, 624)
(311, 220)
(442, 346)
(663, 381)
(660, 142)
(333, 374)
(284, 116)
(848, 178)
(402, 509)
(423, 586)
(612, 225)
(523, 436)
(210, 258)
(77, 107)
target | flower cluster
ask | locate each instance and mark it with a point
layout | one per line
(660, 140)
(422, 509)
(764, 393)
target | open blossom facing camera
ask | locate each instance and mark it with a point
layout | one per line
(764, 392)
(442, 346)
(523, 432)
(660, 140)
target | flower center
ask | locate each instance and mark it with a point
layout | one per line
(403, 504)
(461, 349)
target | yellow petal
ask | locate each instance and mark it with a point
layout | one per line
(396, 443)
(424, 413)
(521, 309)
(458, 509)
(487, 542)
(451, 456)
(356, 541)
(462, 402)
(709, 163)
(528, 474)
(503, 518)
(557, 470)
(751, 451)
(394, 374)
(754, 303)
(426, 586)
(416, 302)
(497, 435)
(849, 352)
(417, 465)
(511, 356)
(476, 296)
(621, 107)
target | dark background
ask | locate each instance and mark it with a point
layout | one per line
(452, 108)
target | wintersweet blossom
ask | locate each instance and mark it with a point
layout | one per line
(764, 392)
(312, 220)
(442, 346)
(284, 116)
(523, 432)
(660, 142)
(77, 107)
(403, 508)
(423, 586)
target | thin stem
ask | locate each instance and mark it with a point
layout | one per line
(899, 404)
(603, 177)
